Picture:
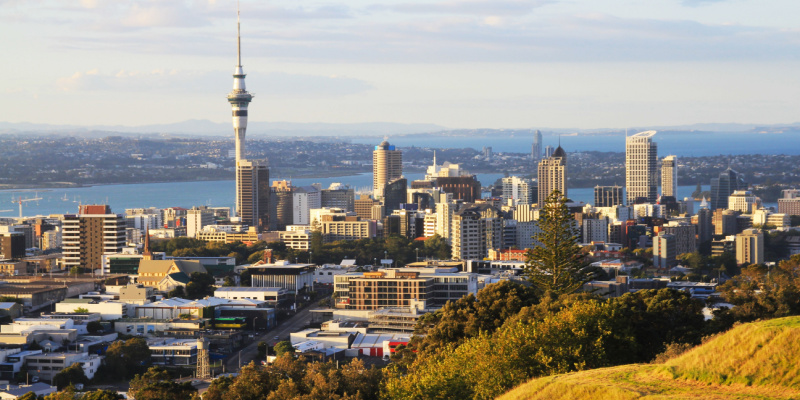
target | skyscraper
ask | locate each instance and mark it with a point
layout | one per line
(607, 196)
(252, 194)
(723, 186)
(641, 175)
(536, 147)
(252, 176)
(90, 234)
(669, 176)
(552, 175)
(387, 165)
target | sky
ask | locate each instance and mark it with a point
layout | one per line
(456, 63)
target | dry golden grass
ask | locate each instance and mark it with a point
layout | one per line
(753, 361)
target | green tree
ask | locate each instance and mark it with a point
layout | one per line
(101, 395)
(657, 318)
(436, 247)
(219, 389)
(284, 347)
(582, 336)
(156, 384)
(559, 264)
(94, 327)
(28, 396)
(761, 292)
(66, 394)
(125, 358)
(177, 292)
(200, 285)
(70, 376)
(75, 271)
(81, 310)
(470, 315)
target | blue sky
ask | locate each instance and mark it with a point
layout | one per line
(457, 63)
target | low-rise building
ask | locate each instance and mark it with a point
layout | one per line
(173, 351)
(13, 392)
(47, 365)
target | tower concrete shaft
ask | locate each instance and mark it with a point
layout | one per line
(239, 98)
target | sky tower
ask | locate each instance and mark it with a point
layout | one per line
(239, 97)
(252, 176)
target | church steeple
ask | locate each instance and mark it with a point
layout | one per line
(146, 253)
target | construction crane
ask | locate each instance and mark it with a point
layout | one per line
(21, 200)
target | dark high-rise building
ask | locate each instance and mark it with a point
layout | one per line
(466, 188)
(395, 192)
(341, 197)
(281, 205)
(722, 187)
(608, 196)
(705, 225)
(252, 179)
(12, 245)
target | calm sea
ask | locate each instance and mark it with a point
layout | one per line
(189, 194)
(680, 144)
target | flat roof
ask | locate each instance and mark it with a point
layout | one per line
(248, 289)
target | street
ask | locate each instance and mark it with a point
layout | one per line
(282, 331)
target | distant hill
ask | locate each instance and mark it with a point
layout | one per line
(759, 360)
(198, 127)
(201, 127)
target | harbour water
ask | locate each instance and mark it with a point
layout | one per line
(189, 194)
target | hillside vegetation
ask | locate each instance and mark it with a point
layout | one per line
(759, 360)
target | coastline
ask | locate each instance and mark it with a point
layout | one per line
(49, 186)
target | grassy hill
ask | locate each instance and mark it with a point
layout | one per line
(760, 360)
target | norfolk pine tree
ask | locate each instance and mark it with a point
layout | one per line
(559, 264)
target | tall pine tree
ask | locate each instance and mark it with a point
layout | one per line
(558, 265)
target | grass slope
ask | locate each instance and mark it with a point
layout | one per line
(760, 360)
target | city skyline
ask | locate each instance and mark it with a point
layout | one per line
(664, 63)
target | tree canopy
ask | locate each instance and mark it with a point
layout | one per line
(125, 359)
(558, 264)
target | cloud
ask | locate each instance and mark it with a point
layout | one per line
(212, 83)
(471, 7)
(699, 3)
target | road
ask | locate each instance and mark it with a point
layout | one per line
(282, 331)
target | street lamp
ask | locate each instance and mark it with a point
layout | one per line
(310, 256)
(417, 250)
(385, 255)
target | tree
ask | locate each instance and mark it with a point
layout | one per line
(94, 327)
(436, 247)
(66, 394)
(101, 395)
(177, 292)
(70, 376)
(200, 285)
(284, 347)
(28, 396)
(75, 271)
(559, 264)
(657, 318)
(81, 310)
(156, 384)
(126, 358)
(470, 315)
